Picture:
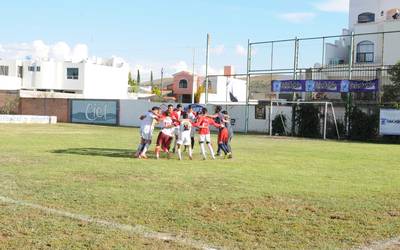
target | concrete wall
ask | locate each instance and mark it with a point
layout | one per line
(46, 107)
(130, 110)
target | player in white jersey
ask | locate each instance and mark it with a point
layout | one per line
(191, 115)
(184, 137)
(148, 121)
(176, 116)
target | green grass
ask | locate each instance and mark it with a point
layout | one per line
(275, 193)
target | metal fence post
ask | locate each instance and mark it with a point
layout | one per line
(247, 111)
(207, 64)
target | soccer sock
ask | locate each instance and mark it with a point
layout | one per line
(192, 140)
(190, 152)
(157, 152)
(211, 150)
(145, 148)
(139, 149)
(180, 153)
(203, 150)
(175, 140)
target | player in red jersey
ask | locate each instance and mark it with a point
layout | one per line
(165, 136)
(177, 115)
(203, 123)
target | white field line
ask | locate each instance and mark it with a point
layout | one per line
(383, 245)
(135, 229)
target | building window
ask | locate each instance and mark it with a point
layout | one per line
(38, 68)
(365, 52)
(183, 84)
(3, 70)
(366, 17)
(73, 73)
(31, 68)
(20, 71)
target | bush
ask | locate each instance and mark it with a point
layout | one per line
(10, 107)
(278, 125)
(331, 132)
(307, 119)
(362, 125)
(156, 91)
(201, 89)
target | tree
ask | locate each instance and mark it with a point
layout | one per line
(151, 79)
(201, 89)
(132, 83)
(391, 93)
(138, 77)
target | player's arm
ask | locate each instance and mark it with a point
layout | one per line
(213, 123)
(198, 123)
(212, 116)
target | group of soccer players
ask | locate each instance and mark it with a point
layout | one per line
(180, 127)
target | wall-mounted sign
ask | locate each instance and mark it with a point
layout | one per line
(334, 86)
(260, 113)
(94, 112)
(389, 122)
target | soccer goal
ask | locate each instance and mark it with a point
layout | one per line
(303, 115)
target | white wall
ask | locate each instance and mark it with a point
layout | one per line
(130, 111)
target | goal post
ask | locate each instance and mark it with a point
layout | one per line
(326, 106)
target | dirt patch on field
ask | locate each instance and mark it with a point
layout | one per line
(392, 244)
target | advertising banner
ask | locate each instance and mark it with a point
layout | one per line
(333, 86)
(94, 112)
(389, 122)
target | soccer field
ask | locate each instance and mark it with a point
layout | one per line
(77, 186)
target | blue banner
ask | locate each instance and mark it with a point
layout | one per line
(332, 86)
(94, 112)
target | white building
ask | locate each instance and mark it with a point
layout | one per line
(223, 89)
(90, 79)
(369, 16)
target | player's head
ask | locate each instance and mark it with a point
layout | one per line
(218, 109)
(190, 108)
(179, 107)
(225, 112)
(170, 108)
(185, 115)
(155, 110)
(204, 111)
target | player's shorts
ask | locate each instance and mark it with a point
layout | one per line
(146, 133)
(164, 141)
(184, 139)
(205, 138)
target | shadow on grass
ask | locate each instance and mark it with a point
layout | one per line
(106, 152)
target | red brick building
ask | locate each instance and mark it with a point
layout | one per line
(182, 86)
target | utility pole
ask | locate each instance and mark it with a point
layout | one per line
(162, 78)
(193, 73)
(207, 62)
